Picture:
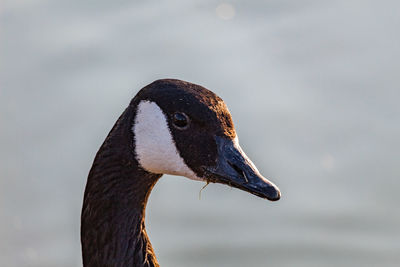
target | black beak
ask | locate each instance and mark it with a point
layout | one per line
(236, 169)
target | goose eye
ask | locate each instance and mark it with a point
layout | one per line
(181, 120)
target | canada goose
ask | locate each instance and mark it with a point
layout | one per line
(170, 127)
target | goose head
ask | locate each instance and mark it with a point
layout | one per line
(184, 129)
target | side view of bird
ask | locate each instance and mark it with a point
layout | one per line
(170, 127)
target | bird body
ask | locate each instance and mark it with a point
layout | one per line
(170, 127)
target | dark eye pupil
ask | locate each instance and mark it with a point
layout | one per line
(180, 120)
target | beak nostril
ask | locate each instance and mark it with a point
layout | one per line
(239, 171)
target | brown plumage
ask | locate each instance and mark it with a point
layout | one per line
(113, 214)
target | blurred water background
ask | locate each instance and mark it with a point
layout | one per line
(313, 87)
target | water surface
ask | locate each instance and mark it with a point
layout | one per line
(313, 88)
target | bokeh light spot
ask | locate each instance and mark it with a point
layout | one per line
(31, 255)
(328, 162)
(225, 11)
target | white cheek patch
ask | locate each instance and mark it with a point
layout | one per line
(155, 148)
